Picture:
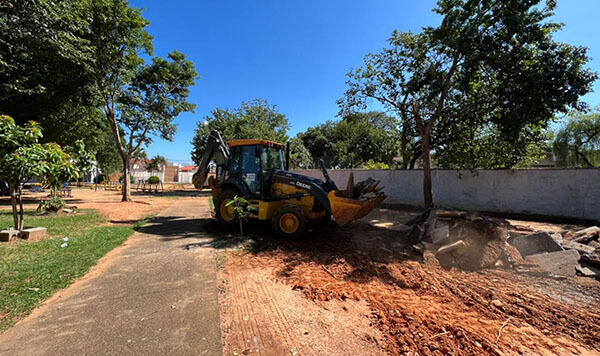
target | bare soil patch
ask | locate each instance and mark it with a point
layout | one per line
(385, 296)
(108, 203)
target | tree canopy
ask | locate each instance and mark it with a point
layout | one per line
(577, 142)
(256, 119)
(491, 67)
(42, 57)
(354, 140)
(155, 163)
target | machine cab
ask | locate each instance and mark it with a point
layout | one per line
(252, 160)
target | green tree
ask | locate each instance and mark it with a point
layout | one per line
(318, 140)
(155, 163)
(490, 64)
(354, 140)
(109, 160)
(300, 157)
(139, 100)
(22, 158)
(577, 142)
(59, 167)
(45, 74)
(42, 57)
(83, 159)
(252, 120)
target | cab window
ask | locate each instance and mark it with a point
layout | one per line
(272, 158)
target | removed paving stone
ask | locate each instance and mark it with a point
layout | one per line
(560, 263)
(586, 235)
(535, 243)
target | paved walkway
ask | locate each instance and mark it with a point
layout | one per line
(155, 295)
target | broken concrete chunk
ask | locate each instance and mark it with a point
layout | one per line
(593, 259)
(445, 253)
(440, 234)
(594, 244)
(586, 235)
(451, 214)
(535, 243)
(583, 249)
(592, 230)
(451, 247)
(517, 233)
(587, 270)
(559, 263)
(557, 236)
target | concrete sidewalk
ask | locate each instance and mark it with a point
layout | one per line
(155, 295)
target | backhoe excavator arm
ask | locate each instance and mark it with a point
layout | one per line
(217, 150)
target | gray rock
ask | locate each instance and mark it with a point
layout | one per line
(560, 263)
(535, 243)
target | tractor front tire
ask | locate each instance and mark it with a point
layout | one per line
(290, 221)
(226, 214)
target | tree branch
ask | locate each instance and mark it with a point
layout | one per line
(444, 94)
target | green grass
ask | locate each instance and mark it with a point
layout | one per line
(57, 225)
(33, 271)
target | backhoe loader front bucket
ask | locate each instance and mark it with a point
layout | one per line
(356, 201)
(346, 210)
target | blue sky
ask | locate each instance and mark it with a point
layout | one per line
(296, 53)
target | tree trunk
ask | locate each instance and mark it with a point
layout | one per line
(427, 187)
(21, 213)
(110, 115)
(126, 182)
(13, 202)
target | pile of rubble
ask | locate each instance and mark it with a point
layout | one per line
(469, 241)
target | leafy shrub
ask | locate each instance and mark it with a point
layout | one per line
(53, 205)
(370, 164)
(153, 180)
(242, 210)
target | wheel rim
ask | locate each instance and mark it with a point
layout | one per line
(289, 223)
(227, 212)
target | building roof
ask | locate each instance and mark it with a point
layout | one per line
(188, 168)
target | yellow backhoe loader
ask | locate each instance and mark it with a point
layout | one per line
(254, 169)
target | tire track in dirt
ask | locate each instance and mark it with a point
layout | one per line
(246, 324)
(284, 324)
(259, 325)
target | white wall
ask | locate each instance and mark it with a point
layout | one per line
(144, 175)
(555, 192)
(186, 177)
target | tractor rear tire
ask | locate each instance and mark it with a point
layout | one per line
(226, 214)
(290, 221)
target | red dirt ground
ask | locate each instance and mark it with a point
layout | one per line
(413, 305)
(107, 202)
